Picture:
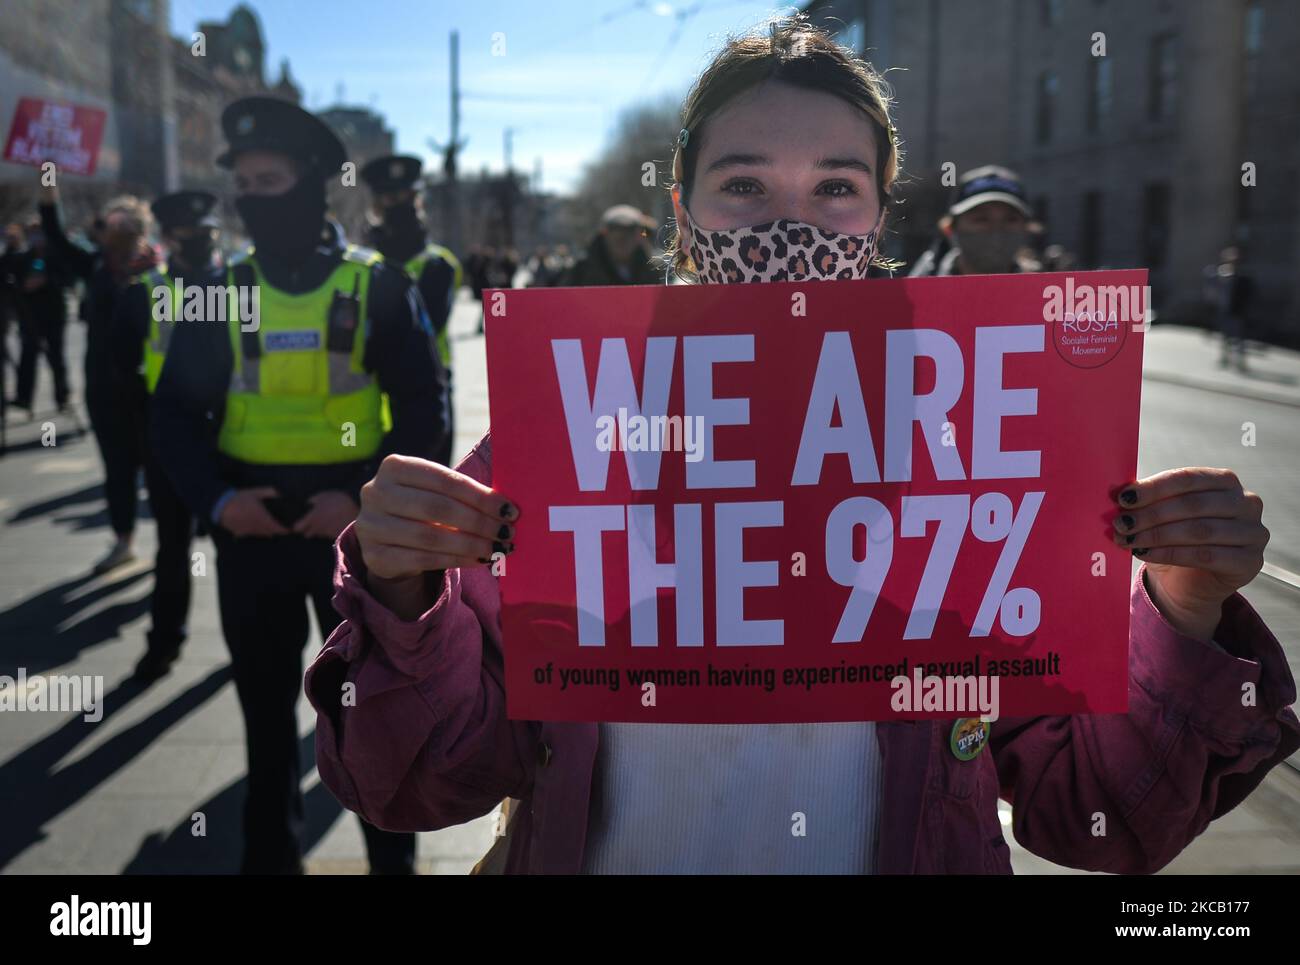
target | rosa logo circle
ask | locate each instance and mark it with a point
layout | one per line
(1088, 340)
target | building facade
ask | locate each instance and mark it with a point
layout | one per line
(365, 136)
(162, 95)
(1149, 133)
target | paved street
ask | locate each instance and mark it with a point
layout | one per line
(119, 796)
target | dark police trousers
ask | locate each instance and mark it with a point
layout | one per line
(264, 587)
(170, 603)
(118, 414)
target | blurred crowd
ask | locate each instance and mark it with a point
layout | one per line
(989, 228)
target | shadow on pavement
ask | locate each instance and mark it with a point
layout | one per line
(30, 629)
(14, 448)
(35, 793)
(180, 851)
(76, 497)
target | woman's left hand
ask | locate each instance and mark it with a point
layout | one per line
(1201, 537)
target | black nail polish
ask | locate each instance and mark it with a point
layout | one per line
(503, 532)
(1140, 552)
(484, 559)
(507, 511)
(1129, 539)
(1128, 497)
(1127, 521)
(498, 547)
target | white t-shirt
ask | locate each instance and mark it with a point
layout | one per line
(734, 799)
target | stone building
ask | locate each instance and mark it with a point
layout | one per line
(162, 95)
(1134, 158)
(366, 136)
(231, 65)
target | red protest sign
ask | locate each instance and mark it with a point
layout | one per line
(67, 134)
(768, 502)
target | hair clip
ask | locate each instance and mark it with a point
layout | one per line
(683, 138)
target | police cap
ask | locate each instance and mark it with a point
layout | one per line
(271, 124)
(392, 172)
(185, 209)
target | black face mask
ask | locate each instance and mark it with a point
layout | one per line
(196, 252)
(285, 226)
(401, 234)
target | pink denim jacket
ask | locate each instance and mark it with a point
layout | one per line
(426, 744)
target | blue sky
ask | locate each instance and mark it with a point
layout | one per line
(569, 65)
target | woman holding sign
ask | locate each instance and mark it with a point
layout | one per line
(785, 133)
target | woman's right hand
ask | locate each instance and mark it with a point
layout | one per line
(417, 518)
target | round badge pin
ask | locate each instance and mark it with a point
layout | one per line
(970, 735)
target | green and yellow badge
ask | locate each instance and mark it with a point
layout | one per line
(970, 735)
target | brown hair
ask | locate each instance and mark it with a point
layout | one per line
(137, 212)
(792, 51)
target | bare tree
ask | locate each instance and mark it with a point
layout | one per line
(634, 167)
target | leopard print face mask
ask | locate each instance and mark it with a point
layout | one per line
(780, 251)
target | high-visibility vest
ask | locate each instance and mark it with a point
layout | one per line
(415, 268)
(160, 330)
(299, 394)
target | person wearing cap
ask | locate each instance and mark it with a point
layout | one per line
(269, 423)
(618, 254)
(146, 315)
(988, 226)
(189, 232)
(399, 234)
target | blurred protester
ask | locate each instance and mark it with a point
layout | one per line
(14, 244)
(619, 254)
(989, 228)
(270, 422)
(481, 274)
(502, 271)
(476, 269)
(1058, 258)
(92, 238)
(115, 392)
(543, 268)
(42, 317)
(398, 233)
(563, 261)
(149, 312)
(497, 270)
(1229, 292)
(552, 264)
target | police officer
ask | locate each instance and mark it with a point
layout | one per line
(148, 314)
(269, 423)
(988, 230)
(400, 236)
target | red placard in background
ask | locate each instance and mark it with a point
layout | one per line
(67, 134)
(889, 475)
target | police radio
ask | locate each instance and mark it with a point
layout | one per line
(344, 316)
